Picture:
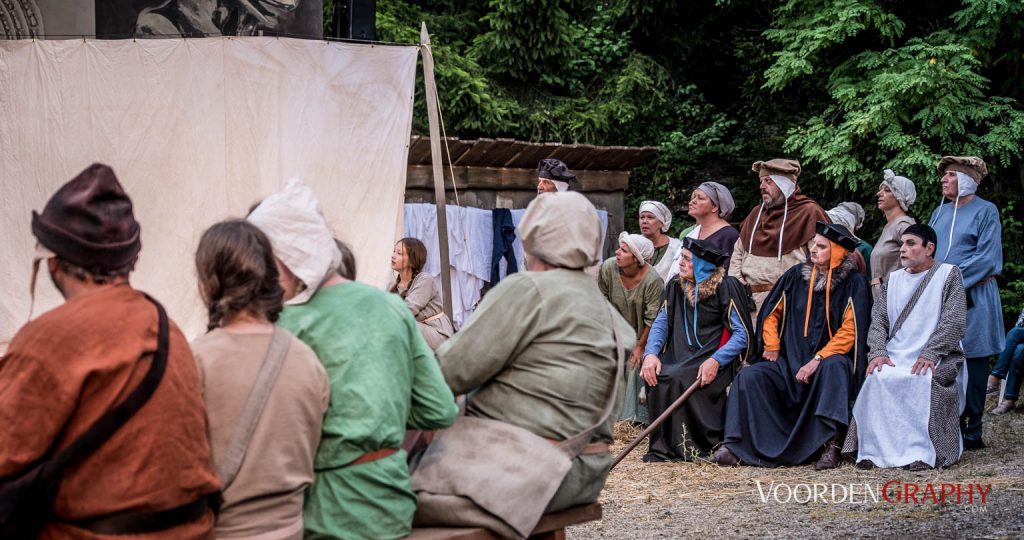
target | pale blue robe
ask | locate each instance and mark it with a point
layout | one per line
(977, 249)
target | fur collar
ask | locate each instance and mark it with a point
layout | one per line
(839, 274)
(707, 287)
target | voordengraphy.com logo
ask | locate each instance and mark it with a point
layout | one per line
(892, 492)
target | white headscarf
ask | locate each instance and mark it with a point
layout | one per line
(298, 232)
(560, 186)
(638, 244)
(849, 215)
(902, 188)
(786, 185)
(660, 211)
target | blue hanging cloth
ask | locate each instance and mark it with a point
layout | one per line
(702, 270)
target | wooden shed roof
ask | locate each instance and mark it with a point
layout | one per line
(510, 153)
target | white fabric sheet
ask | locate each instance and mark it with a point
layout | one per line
(470, 245)
(197, 130)
(893, 407)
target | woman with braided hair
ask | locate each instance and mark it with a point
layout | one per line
(238, 282)
(419, 292)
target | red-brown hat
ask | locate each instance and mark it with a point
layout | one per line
(789, 168)
(89, 222)
(972, 166)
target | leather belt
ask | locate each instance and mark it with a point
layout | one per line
(760, 288)
(434, 317)
(373, 456)
(593, 448)
(147, 522)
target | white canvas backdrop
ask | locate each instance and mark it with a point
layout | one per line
(197, 130)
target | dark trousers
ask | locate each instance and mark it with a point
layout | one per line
(977, 381)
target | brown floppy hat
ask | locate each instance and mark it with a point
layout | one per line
(972, 166)
(89, 222)
(789, 168)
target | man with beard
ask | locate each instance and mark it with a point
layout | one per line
(774, 235)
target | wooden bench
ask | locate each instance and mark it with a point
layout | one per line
(551, 526)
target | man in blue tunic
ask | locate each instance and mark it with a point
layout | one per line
(970, 237)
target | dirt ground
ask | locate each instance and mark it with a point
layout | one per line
(685, 500)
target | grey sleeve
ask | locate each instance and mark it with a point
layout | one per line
(878, 332)
(945, 339)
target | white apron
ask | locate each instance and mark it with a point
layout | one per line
(893, 407)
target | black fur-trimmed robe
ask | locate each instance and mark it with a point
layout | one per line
(771, 418)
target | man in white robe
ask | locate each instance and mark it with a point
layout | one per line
(907, 412)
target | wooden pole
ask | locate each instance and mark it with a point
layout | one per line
(435, 161)
(657, 422)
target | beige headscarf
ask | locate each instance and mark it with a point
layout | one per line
(562, 229)
(660, 211)
(298, 232)
(638, 244)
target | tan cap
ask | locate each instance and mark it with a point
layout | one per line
(972, 166)
(786, 167)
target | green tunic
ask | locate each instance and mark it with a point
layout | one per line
(639, 306)
(540, 351)
(383, 378)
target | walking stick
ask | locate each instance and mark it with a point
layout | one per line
(657, 422)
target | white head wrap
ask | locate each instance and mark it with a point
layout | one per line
(299, 235)
(902, 188)
(563, 229)
(786, 185)
(660, 211)
(638, 244)
(965, 185)
(560, 186)
(721, 196)
(849, 215)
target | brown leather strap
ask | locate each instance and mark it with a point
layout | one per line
(761, 287)
(590, 449)
(373, 456)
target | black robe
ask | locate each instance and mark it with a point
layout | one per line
(771, 418)
(702, 413)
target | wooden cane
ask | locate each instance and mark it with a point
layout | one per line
(657, 422)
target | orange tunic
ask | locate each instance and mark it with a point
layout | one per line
(64, 370)
(841, 343)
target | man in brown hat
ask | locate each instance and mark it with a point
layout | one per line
(774, 236)
(970, 237)
(71, 365)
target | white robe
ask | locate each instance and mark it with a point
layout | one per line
(894, 406)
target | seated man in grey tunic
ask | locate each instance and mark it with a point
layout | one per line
(907, 412)
(538, 353)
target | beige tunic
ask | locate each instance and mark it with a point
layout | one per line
(424, 300)
(755, 270)
(267, 494)
(885, 256)
(540, 353)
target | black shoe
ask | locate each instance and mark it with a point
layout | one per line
(830, 458)
(724, 457)
(865, 464)
(973, 444)
(918, 466)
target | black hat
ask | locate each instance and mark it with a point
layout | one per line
(89, 222)
(924, 232)
(704, 250)
(554, 169)
(838, 234)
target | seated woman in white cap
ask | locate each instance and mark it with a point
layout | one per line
(703, 333)
(655, 219)
(383, 375)
(538, 353)
(629, 283)
(895, 195)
